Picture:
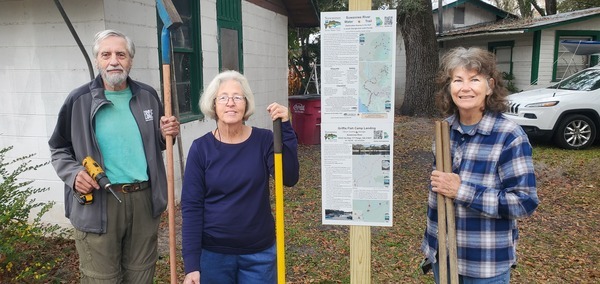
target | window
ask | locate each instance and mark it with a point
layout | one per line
(459, 15)
(229, 21)
(568, 63)
(186, 60)
(503, 59)
(503, 52)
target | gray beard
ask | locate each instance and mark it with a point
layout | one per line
(113, 79)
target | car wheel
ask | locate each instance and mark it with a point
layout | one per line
(575, 132)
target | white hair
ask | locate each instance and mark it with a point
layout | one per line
(207, 100)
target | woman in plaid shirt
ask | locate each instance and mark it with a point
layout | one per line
(492, 181)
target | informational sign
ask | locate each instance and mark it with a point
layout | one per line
(358, 53)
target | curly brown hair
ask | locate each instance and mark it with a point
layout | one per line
(473, 58)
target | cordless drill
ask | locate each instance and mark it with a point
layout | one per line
(99, 176)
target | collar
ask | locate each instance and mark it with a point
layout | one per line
(484, 126)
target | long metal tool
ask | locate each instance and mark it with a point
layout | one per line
(446, 218)
(279, 216)
(171, 20)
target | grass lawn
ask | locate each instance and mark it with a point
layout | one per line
(558, 244)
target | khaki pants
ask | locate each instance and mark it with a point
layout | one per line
(127, 253)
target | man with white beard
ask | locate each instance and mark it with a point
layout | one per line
(120, 123)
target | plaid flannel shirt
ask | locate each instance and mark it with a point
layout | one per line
(497, 187)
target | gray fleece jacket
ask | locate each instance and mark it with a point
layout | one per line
(74, 139)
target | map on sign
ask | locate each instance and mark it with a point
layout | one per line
(375, 46)
(369, 171)
(376, 74)
(374, 94)
(371, 210)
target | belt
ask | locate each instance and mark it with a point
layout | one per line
(131, 187)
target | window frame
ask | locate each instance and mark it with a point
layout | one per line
(493, 46)
(229, 16)
(459, 14)
(196, 66)
(592, 59)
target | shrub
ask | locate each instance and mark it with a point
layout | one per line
(508, 80)
(22, 239)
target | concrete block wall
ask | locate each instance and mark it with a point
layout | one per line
(265, 59)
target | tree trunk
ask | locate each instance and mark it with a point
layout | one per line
(525, 8)
(418, 32)
(550, 7)
(538, 8)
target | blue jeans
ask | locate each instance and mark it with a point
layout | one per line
(503, 278)
(221, 268)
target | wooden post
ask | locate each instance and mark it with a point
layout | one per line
(450, 219)
(441, 208)
(360, 254)
(360, 236)
(447, 250)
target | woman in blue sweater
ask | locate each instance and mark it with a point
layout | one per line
(228, 227)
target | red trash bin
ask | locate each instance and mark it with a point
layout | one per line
(306, 118)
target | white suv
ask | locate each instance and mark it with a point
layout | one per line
(568, 112)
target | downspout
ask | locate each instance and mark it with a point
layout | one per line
(76, 37)
(440, 18)
(440, 23)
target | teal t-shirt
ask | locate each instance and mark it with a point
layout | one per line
(120, 140)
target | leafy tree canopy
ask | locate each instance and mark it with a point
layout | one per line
(574, 5)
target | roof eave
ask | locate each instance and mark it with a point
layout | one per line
(471, 35)
(302, 13)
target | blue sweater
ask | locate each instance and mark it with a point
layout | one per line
(225, 199)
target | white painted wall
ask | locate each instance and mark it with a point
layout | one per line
(473, 15)
(42, 64)
(265, 59)
(400, 85)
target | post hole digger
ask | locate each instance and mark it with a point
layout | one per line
(445, 209)
(97, 173)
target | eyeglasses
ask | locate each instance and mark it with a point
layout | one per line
(223, 99)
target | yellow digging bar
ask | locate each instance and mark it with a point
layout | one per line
(279, 227)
